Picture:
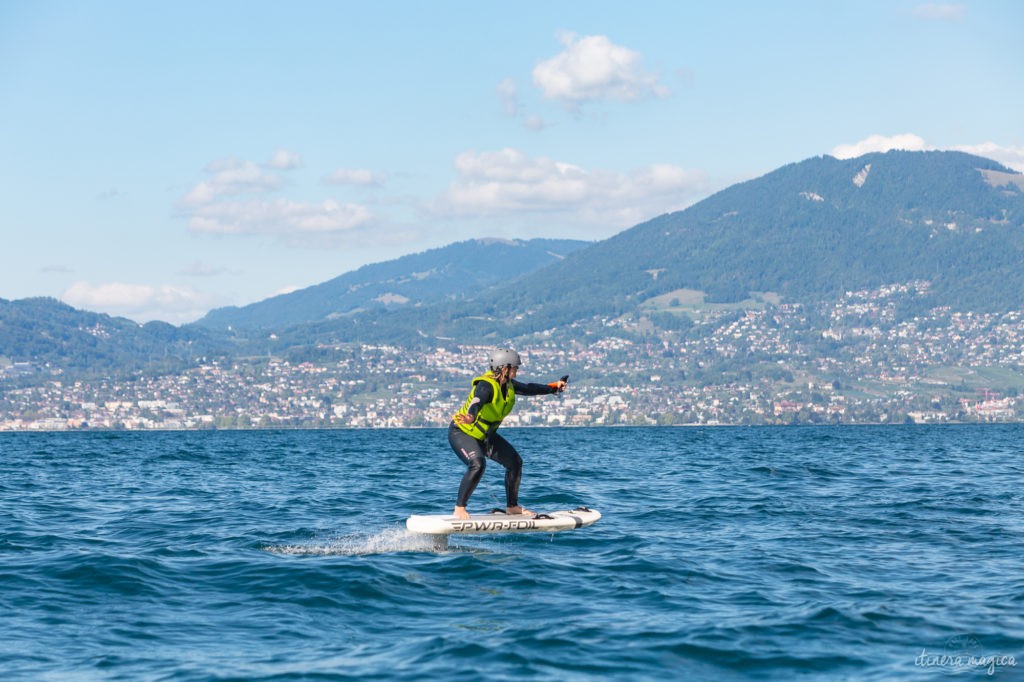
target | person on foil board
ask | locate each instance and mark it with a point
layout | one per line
(473, 432)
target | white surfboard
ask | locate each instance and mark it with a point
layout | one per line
(497, 522)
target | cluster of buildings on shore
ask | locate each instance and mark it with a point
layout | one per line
(853, 361)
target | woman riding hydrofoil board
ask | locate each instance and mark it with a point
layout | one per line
(473, 432)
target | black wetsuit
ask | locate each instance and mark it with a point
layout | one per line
(473, 451)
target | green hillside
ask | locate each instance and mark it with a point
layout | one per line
(46, 331)
(806, 232)
(814, 230)
(451, 272)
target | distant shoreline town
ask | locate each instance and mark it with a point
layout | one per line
(854, 361)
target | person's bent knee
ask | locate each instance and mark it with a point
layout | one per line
(477, 465)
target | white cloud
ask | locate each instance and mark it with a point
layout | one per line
(509, 180)
(227, 163)
(203, 193)
(354, 176)
(534, 123)
(232, 178)
(1011, 157)
(140, 302)
(879, 143)
(234, 202)
(940, 11)
(508, 183)
(279, 217)
(593, 68)
(285, 160)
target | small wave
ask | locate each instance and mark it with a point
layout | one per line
(385, 542)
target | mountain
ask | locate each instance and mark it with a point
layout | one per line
(808, 231)
(814, 230)
(447, 273)
(805, 232)
(44, 330)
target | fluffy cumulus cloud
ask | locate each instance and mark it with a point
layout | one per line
(879, 143)
(509, 182)
(140, 302)
(232, 178)
(593, 68)
(236, 200)
(355, 176)
(285, 160)
(508, 179)
(280, 216)
(1011, 156)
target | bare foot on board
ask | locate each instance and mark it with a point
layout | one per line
(461, 513)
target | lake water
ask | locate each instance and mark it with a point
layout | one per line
(724, 553)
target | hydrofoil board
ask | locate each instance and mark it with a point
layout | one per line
(500, 522)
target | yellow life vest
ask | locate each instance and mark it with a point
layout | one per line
(490, 415)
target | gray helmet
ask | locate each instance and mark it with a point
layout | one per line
(504, 356)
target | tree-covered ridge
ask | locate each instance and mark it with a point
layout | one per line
(807, 232)
(45, 331)
(812, 230)
(451, 272)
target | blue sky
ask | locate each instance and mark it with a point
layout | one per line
(161, 159)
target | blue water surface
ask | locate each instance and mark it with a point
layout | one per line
(724, 553)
